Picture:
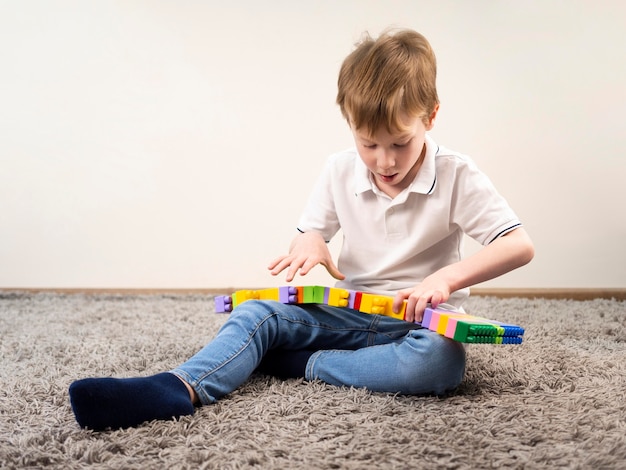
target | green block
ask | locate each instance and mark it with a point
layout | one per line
(478, 329)
(465, 329)
(493, 339)
(313, 294)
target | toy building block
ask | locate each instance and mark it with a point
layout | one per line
(318, 294)
(272, 293)
(352, 300)
(459, 328)
(437, 319)
(426, 319)
(313, 294)
(380, 305)
(326, 295)
(469, 328)
(269, 294)
(241, 296)
(223, 304)
(356, 305)
(445, 317)
(288, 295)
(455, 325)
(339, 297)
(494, 339)
(472, 330)
(484, 327)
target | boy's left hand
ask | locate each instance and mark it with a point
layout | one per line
(430, 291)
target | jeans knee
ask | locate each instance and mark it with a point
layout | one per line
(250, 317)
(450, 360)
(442, 365)
(259, 309)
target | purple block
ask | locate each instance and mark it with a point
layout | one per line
(288, 295)
(351, 298)
(223, 304)
(428, 314)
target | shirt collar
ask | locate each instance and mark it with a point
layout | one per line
(424, 182)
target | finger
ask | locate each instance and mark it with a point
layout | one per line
(302, 264)
(410, 309)
(307, 265)
(436, 299)
(279, 265)
(293, 269)
(334, 271)
(398, 300)
(420, 306)
(275, 262)
(285, 263)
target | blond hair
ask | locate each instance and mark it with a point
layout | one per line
(387, 80)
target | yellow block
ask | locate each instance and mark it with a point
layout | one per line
(269, 294)
(380, 305)
(338, 297)
(241, 296)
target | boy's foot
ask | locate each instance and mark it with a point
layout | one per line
(104, 403)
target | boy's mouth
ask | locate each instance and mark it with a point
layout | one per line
(387, 178)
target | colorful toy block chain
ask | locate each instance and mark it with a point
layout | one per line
(455, 325)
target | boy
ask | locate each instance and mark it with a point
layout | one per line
(403, 204)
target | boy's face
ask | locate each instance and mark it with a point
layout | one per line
(394, 159)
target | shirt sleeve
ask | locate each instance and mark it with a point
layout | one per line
(478, 208)
(319, 213)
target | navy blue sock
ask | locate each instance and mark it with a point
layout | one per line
(285, 364)
(104, 403)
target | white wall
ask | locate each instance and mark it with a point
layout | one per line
(173, 143)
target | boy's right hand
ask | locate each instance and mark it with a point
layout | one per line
(307, 251)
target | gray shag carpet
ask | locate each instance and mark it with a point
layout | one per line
(556, 401)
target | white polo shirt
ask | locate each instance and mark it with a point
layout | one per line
(392, 244)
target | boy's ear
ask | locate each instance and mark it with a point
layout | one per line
(431, 118)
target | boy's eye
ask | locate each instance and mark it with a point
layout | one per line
(403, 144)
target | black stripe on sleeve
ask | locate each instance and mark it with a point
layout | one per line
(506, 230)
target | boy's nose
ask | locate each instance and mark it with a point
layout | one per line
(385, 160)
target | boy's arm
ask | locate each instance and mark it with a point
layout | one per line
(504, 254)
(307, 250)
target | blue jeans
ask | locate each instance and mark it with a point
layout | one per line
(355, 349)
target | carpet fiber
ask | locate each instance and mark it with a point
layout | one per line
(556, 401)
